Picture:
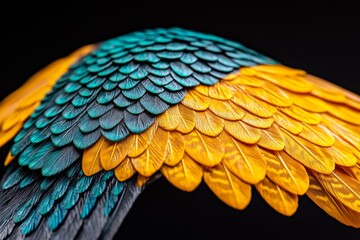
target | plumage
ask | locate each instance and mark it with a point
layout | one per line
(188, 106)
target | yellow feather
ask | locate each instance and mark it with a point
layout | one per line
(186, 175)
(205, 150)
(302, 115)
(242, 131)
(19, 116)
(226, 109)
(91, 158)
(228, 187)
(5, 136)
(331, 205)
(279, 199)
(187, 119)
(242, 79)
(125, 170)
(8, 159)
(196, 101)
(154, 156)
(243, 160)
(345, 113)
(208, 123)
(253, 105)
(326, 90)
(170, 119)
(308, 102)
(271, 139)
(286, 172)
(317, 135)
(256, 121)
(343, 187)
(112, 156)
(291, 125)
(270, 95)
(342, 155)
(312, 156)
(203, 89)
(220, 91)
(277, 69)
(142, 141)
(141, 180)
(175, 149)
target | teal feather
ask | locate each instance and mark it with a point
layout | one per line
(70, 199)
(60, 188)
(43, 122)
(71, 112)
(107, 175)
(39, 135)
(104, 60)
(213, 48)
(161, 65)
(135, 108)
(244, 62)
(172, 97)
(56, 218)
(220, 67)
(156, 47)
(138, 123)
(59, 160)
(84, 140)
(160, 81)
(228, 62)
(87, 79)
(46, 204)
(54, 111)
(128, 68)
(63, 99)
(29, 123)
(105, 97)
(128, 83)
(95, 68)
(25, 209)
(175, 46)
(121, 101)
(97, 110)
(110, 203)
(72, 87)
(95, 83)
(218, 75)
(27, 180)
(200, 67)
(14, 178)
(205, 79)
(80, 101)
(135, 93)
(137, 50)
(107, 71)
(187, 81)
(147, 57)
(181, 69)
(109, 85)
(173, 86)
(96, 190)
(116, 134)
(110, 119)
(64, 138)
(31, 223)
(170, 55)
(145, 43)
(139, 73)
(83, 184)
(61, 125)
(23, 132)
(162, 39)
(154, 104)
(118, 53)
(159, 72)
(124, 59)
(46, 183)
(205, 55)
(151, 87)
(88, 124)
(89, 60)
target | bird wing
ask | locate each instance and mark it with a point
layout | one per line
(91, 129)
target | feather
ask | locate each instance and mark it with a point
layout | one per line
(205, 150)
(195, 101)
(138, 123)
(243, 160)
(312, 156)
(110, 119)
(153, 104)
(308, 102)
(344, 113)
(342, 155)
(59, 160)
(154, 156)
(125, 170)
(175, 149)
(274, 97)
(186, 119)
(142, 141)
(242, 131)
(302, 115)
(116, 134)
(279, 199)
(291, 125)
(342, 187)
(172, 97)
(14, 178)
(331, 205)
(186, 175)
(256, 121)
(226, 109)
(228, 187)
(170, 119)
(112, 156)
(317, 135)
(181, 69)
(208, 123)
(286, 172)
(91, 159)
(241, 79)
(220, 91)
(271, 139)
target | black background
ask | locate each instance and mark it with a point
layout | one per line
(323, 40)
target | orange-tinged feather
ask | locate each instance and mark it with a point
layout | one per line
(344, 113)
(187, 119)
(205, 150)
(125, 170)
(242, 79)
(208, 123)
(277, 69)
(242, 131)
(175, 149)
(342, 156)
(326, 90)
(196, 101)
(112, 156)
(243, 160)
(142, 141)
(91, 158)
(302, 115)
(154, 156)
(290, 124)
(5, 136)
(308, 102)
(253, 105)
(226, 109)
(170, 119)
(186, 175)
(312, 156)
(331, 205)
(317, 135)
(220, 91)
(279, 199)
(141, 180)
(275, 98)
(271, 139)
(9, 159)
(256, 121)
(286, 172)
(228, 187)
(343, 187)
